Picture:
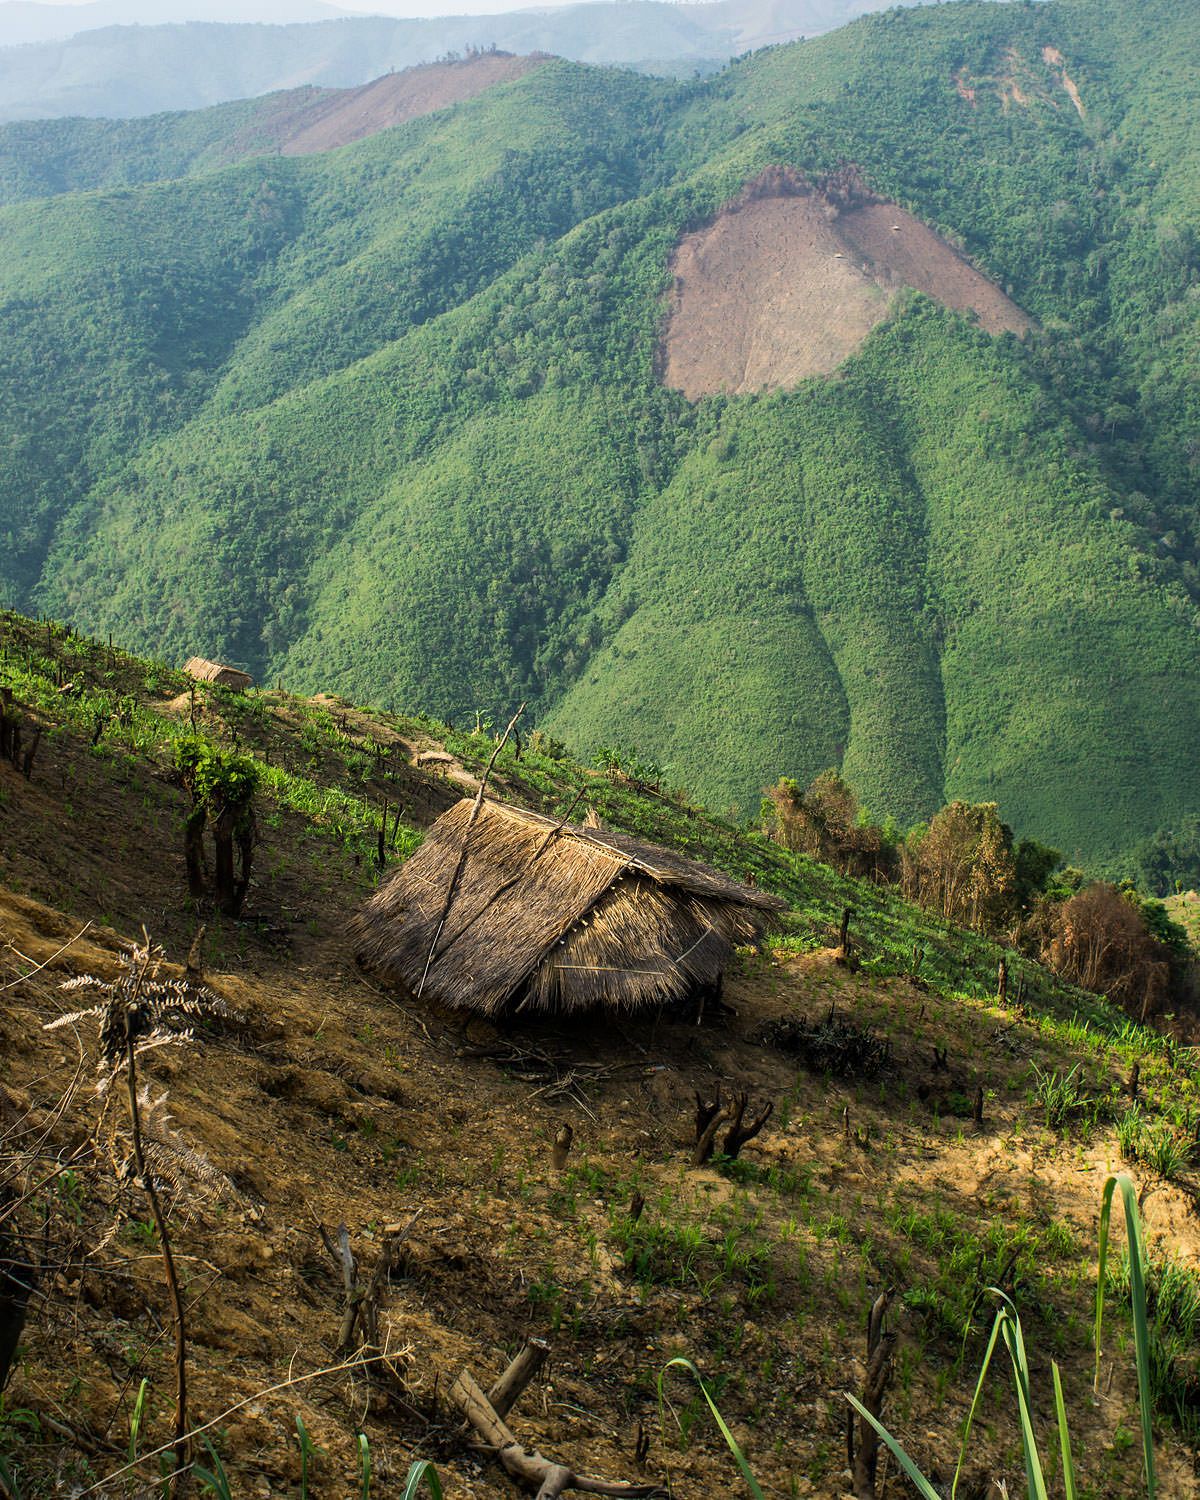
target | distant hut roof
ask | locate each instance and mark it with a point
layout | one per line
(214, 671)
(554, 918)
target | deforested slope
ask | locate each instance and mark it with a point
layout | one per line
(394, 418)
(344, 115)
(789, 280)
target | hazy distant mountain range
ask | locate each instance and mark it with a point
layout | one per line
(105, 59)
(24, 21)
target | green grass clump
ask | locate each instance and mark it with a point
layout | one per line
(1158, 1143)
(1060, 1096)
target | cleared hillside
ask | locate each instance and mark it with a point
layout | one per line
(351, 114)
(389, 418)
(786, 283)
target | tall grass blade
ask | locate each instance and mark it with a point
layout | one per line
(1064, 1436)
(135, 1421)
(1137, 1296)
(983, 1369)
(739, 1456)
(422, 1472)
(213, 1481)
(364, 1466)
(1010, 1327)
(306, 1453)
(10, 1484)
(923, 1486)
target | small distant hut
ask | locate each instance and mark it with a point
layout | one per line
(553, 917)
(214, 671)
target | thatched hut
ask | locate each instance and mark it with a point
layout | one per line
(553, 917)
(214, 671)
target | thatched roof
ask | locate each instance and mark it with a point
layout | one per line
(214, 671)
(550, 917)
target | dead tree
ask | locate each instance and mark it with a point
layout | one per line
(10, 728)
(505, 1394)
(711, 1114)
(842, 954)
(360, 1314)
(31, 751)
(738, 1133)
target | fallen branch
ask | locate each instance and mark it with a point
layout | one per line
(527, 1465)
(505, 1394)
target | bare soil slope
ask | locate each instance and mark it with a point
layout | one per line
(334, 117)
(319, 1100)
(788, 281)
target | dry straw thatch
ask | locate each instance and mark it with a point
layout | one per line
(548, 917)
(214, 671)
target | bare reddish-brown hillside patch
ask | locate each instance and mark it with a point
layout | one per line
(788, 281)
(335, 117)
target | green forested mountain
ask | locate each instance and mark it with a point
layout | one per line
(389, 421)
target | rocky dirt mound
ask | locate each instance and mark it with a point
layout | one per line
(788, 281)
(335, 117)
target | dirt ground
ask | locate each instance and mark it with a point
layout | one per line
(786, 286)
(318, 1100)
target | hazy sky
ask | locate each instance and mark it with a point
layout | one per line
(401, 7)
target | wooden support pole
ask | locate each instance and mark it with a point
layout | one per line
(462, 853)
